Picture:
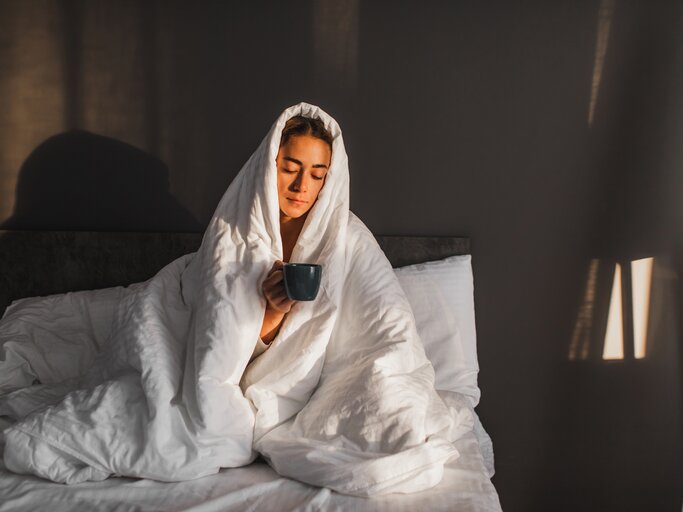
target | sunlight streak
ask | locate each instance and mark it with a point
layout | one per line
(605, 14)
(579, 348)
(641, 275)
(30, 81)
(614, 337)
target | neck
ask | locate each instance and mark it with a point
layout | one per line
(291, 227)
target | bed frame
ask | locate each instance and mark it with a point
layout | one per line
(36, 263)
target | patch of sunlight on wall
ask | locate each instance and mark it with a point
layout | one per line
(579, 347)
(605, 15)
(614, 338)
(31, 93)
(112, 75)
(641, 284)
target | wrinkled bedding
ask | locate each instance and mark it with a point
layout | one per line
(154, 380)
(465, 487)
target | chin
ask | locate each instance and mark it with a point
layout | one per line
(293, 214)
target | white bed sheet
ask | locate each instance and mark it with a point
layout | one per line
(465, 487)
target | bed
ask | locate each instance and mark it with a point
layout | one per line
(36, 263)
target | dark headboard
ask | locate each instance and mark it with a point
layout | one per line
(36, 263)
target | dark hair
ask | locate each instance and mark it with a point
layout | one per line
(300, 125)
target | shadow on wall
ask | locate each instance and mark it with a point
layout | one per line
(80, 181)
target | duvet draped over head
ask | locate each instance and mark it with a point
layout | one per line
(163, 389)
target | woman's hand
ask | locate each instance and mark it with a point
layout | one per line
(274, 290)
(277, 302)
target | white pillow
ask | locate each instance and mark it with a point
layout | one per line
(441, 294)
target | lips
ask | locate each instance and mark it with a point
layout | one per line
(296, 201)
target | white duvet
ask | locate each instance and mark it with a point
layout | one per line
(153, 380)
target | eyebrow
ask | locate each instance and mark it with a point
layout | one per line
(298, 162)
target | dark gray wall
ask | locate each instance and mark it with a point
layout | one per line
(547, 131)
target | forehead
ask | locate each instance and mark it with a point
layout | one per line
(307, 149)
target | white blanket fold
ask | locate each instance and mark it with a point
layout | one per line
(154, 380)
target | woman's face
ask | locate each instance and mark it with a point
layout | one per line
(302, 165)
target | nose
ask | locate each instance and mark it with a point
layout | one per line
(300, 184)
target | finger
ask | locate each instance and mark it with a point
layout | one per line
(274, 271)
(278, 276)
(278, 296)
(276, 291)
(282, 307)
(273, 283)
(277, 287)
(285, 301)
(267, 287)
(277, 264)
(278, 306)
(273, 287)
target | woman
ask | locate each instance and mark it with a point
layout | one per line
(343, 398)
(302, 164)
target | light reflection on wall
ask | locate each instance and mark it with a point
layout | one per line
(31, 98)
(641, 285)
(627, 318)
(113, 80)
(613, 347)
(605, 15)
(579, 347)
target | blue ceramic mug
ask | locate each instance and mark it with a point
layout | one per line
(302, 280)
